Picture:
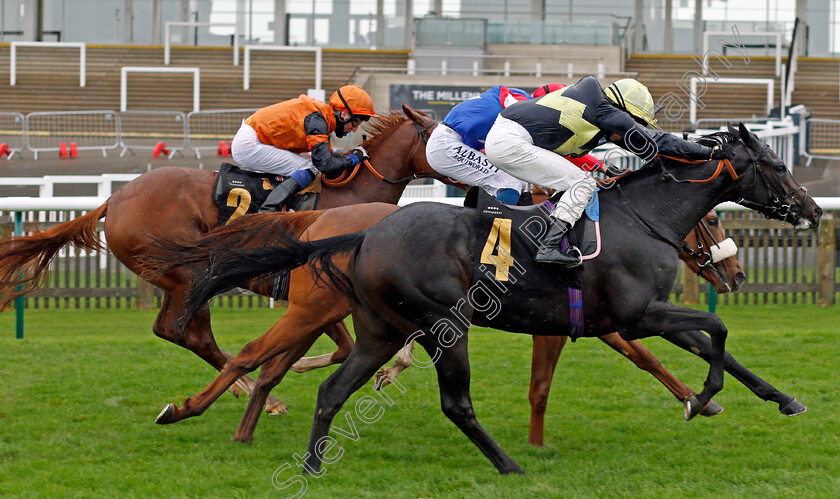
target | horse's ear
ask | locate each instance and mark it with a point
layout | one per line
(732, 130)
(416, 115)
(745, 134)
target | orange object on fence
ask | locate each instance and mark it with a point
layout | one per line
(224, 149)
(5, 149)
(73, 151)
(62, 150)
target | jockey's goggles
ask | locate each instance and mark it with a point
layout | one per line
(357, 119)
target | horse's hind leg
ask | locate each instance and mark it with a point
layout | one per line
(376, 342)
(401, 362)
(198, 338)
(339, 334)
(545, 354)
(646, 361)
(271, 374)
(278, 339)
(699, 344)
(453, 370)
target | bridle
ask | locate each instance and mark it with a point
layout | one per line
(347, 175)
(703, 254)
(781, 202)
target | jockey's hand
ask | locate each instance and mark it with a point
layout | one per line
(614, 171)
(359, 154)
(722, 151)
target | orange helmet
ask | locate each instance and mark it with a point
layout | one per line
(354, 100)
(547, 89)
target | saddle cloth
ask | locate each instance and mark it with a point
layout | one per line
(507, 239)
(238, 192)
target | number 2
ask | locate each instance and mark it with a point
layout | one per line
(240, 198)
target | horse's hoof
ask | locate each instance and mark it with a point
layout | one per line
(167, 415)
(711, 409)
(276, 409)
(793, 408)
(245, 439)
(692, 407)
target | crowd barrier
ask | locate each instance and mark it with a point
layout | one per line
(202, 131)
(823, 139)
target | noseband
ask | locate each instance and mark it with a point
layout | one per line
(703, 254)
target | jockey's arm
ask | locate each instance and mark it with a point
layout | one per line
(646, 143)
(318, 140)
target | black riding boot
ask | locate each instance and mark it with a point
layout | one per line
(278, 197)
(550, 251)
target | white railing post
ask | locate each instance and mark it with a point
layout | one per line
(475, 68)
(82, 57)
(570, 69)
(507, 69)
(443, 67)
(167, 45)
(601, 70)
(196, 72)
(538, 70)
(246, 70)
(411, 67)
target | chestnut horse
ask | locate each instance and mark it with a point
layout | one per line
(177, 203)
(410, 273)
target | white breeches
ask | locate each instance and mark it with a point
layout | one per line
(448, 155)
(250, 153)
(510, 147)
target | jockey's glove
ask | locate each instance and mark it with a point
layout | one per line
(358, 155)
(722, 151)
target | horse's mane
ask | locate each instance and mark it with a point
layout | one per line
(717, 138)
(381, 126)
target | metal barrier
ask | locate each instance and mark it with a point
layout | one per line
(823, 139)
(205, 129)
(12, 133)
(169, 127)
(89, 130)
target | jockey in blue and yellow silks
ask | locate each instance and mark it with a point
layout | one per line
(530, 138)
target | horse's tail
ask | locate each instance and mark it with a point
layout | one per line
(247, 248)
(24, 261)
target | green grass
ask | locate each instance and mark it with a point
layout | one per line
(79, 395)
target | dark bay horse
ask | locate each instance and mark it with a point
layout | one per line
(725, 275)
(177, 203)
(410, 278)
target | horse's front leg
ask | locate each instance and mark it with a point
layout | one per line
(641, 356)
(698, 343)
(661, 318)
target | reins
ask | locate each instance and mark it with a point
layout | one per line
(348, 175)
(721, 164)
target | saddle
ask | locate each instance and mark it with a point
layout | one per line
(238, 192)
(507, 239)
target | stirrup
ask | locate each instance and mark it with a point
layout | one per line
(570, 258)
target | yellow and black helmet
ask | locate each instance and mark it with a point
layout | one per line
(633, 97)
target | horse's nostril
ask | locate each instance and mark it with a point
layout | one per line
(740, 277)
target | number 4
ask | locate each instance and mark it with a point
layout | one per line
(499, 234)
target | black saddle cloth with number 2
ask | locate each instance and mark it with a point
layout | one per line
(238, 192)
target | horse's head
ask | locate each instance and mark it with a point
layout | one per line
(423, 125)
(772, 189)
(710, 254)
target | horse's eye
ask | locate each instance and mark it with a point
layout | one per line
(781, 167)
(713, 221)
